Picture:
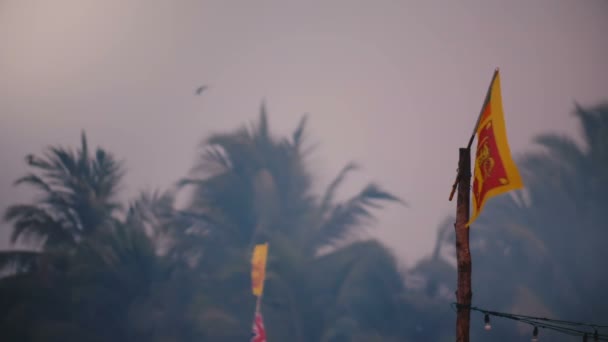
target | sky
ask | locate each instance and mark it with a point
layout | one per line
(393, 85)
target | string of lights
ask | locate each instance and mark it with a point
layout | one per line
(587, 331)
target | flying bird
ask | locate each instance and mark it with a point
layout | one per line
(200, 89)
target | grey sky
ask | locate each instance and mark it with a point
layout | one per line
(394, 85)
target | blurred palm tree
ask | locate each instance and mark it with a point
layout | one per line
(76, 199)
(539, 251)
(168, 274)
(554, 232)
(114, 287)
(250, 187)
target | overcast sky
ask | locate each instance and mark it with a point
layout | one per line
(393, 85)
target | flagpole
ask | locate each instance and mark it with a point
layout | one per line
(464, 291)
(463, 252)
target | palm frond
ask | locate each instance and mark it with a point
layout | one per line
(330, 192)
(151, 203)
(65, 166)
(34, 224)
(213, 160)
(593, 121)
(563, 149)
(36, 181)
(234, 150)
(352, 214)
(374, 193)
(263, 129)
(83, 154)
(298, 134)
(107, 173)
(18, 260)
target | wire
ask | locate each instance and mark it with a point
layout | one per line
(561, 326)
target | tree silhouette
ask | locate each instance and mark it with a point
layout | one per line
(76, 199)
(250, 187)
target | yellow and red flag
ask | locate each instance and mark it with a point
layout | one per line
(495, 171)
(258, 268)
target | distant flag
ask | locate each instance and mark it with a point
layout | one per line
(259, 333)
(258, 268)
(258, 274)
(495, 171)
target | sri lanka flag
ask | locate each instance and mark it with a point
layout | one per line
(495, 171)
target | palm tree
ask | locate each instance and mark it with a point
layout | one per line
(76, 199)
(242, 174)
(536, 251)
(113, 288)
(539, 251)
(251, 187)
(119, 284)
(164, 274)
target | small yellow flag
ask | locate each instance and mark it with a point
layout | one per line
(258, 268)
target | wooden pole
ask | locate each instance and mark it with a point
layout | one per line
(463, 252)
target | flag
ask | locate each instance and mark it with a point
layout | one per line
(259, 333)
(495, 171)
(258, 268)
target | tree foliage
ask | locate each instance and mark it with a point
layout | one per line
(549, 237)
(162, 273)
(168, 274)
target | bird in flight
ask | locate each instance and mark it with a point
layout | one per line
(200, 89)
